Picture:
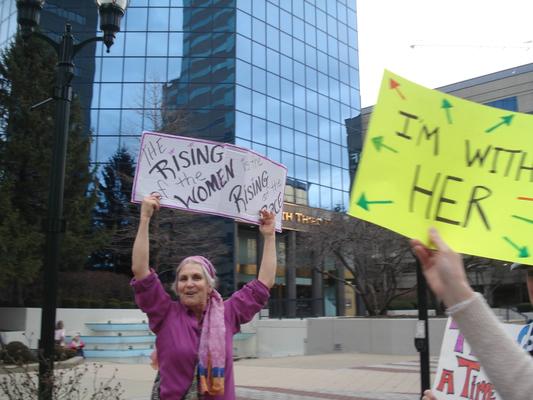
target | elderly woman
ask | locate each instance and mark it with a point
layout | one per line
(194, 334)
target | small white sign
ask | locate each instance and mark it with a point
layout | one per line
(459, 374)
(209, 177)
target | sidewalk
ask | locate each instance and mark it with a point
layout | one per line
(343, 376)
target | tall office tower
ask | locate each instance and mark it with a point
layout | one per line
(276, 76)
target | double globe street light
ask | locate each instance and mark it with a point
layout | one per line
(28, 16)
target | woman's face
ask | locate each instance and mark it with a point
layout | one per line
(192, 287)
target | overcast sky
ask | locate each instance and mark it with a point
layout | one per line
(454, 40)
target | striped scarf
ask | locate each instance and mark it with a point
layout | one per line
(212, 349)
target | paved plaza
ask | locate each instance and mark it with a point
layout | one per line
(342, 376)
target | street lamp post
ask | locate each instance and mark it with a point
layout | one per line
(111, 12)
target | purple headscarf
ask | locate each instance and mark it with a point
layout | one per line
(212, 350)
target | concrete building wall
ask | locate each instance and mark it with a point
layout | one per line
(370, 335)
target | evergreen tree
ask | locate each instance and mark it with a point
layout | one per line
(26, 78)
(115, 213)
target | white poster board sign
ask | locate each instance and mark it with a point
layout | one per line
(209, 177)
(459, 374)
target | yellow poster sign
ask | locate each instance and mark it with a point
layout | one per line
(432, 159)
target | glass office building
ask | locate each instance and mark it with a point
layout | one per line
(277, 76)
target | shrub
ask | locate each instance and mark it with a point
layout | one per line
(18, 353)
(69, 303)
(402, 304)
(96, 303)
(66, 384)
(524, 307)
(84, 302)
(113, 303)
(63, 353)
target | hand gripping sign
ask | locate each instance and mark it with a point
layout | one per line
(208, 177)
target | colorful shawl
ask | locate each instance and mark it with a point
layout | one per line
(212, 350)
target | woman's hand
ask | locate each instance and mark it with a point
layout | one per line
(268, 223)
(428, 395)
(443, 269)
(150, 204)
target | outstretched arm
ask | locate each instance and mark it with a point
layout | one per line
(267, 270)
(141, 246)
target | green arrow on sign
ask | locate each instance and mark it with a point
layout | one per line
(446, 105)
(523, 218)
(364, 203)
(522, 251)
(506, 120)
(378, 143)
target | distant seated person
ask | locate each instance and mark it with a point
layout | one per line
(77, 344)
(59, 334)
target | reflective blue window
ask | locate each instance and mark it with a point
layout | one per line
(299, 73)
(272, 15)
(321, 20)
(273, 38)
(287, 159)
(243, 125)
(509, 103)
(312, 147)
(313, 172)
(244, 73)
(273, 85)
(158, 19)
(309, 13)
(325, 197)
(310, 56)
(310, 34)
(286, 67)
(245, 5)
(258, 55)
(273, 135)
(299, 119)
(259, 130)
(287, 139)
(259, 31)
(298, 8)
(273, 61)
(324, 152)
(259, 104)
(301, 167)
(285, 22)
(259, 79)
(287, 90)
(311, 79)
(299, 96)
(136, 19)
(299, 50)
(298, 28)
(243, 99)
(312, 124)
(312, 101)
(259, 9)
(244, 24)
(287, 115)
(286, 44)
(273, 110)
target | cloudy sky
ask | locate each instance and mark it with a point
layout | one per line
(439, 42)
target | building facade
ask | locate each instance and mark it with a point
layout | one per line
(276, 76)
(510, 89)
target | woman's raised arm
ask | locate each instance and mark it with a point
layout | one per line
(141, 246)
(267, 270)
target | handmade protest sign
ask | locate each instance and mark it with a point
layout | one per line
(208, 177)
(459, 373)
(431, 159)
